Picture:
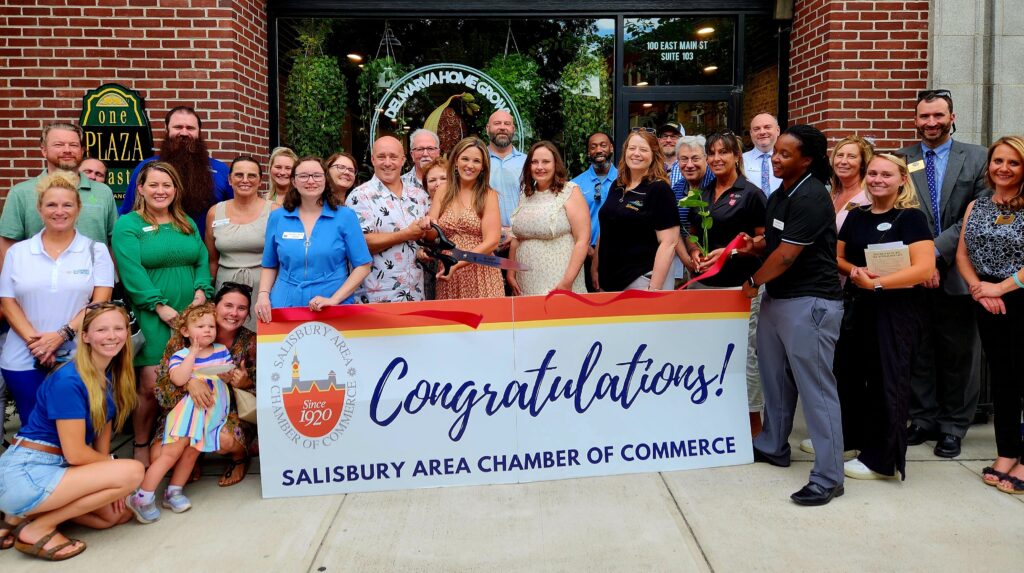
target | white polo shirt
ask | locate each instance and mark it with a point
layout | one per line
(50, 292)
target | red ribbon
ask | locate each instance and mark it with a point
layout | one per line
(736, 243)
(624, 295)
(302, 314)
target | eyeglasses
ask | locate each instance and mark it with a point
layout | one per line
(341, 168)
(649, 130)
(425, 149)
(669, 134)
(304, 177)
(598, 186)
(932, 94)
(234, 285)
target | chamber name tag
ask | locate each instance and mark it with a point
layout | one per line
(778, 224)
(884, 226)
(149, 229)
(1005, 218)
(289, 235)
(219, 223)
(916, 166)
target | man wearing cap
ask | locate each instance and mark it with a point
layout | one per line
(757, 163)
(668, 136)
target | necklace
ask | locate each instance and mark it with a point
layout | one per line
(622, 199)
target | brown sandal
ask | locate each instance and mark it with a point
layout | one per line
(7, 539)
(36, 549)
(232, 464)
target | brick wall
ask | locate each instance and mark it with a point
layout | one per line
(211, 54)
(760, 94)
(856, 67)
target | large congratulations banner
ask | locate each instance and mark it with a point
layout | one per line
(442, 393)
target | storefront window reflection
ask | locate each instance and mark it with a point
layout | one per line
(695, 117)
(692, 50)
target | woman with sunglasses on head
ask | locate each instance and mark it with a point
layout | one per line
(990, 257)
(46, 280)
(310, 246)
(639, 220)
(342, 170)
(164, 266)
(235, 230)
(238, 436)
(59, 468)
(282, 161)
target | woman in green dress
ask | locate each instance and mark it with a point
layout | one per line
(164, 266)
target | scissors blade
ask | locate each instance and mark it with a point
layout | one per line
(488, 260)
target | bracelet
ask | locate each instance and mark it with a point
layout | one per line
(263, 291)
(1017, 280)
(66, 332)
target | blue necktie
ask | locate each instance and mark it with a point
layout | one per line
(766, 185)
(933, 188)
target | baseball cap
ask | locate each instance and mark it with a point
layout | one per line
(672, 127)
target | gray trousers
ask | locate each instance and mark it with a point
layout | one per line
(796, 341)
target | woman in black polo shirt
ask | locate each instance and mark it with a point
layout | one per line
(639, 221)
(886, 314)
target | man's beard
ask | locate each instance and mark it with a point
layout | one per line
(68, 165)
(599, 159)
(191, 159)
(501, 140)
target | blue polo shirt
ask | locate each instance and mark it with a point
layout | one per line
(506, 176)
(587, 182)
(221, 190)
(316, 265)
(63, 396)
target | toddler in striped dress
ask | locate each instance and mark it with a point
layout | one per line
(190, 428)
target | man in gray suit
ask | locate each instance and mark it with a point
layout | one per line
(948, 175)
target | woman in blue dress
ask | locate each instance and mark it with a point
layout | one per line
(315, 255)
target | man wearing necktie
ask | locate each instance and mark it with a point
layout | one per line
(757, 163)
(945, 382)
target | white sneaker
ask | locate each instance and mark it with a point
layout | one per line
(857, 470)
(808, 446)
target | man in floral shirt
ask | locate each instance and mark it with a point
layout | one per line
(393, 216)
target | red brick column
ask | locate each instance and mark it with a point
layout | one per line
(856, 67)
(211, 54)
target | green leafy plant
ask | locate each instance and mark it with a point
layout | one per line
(315, 95)
(693, 200)
(378, 75)
(518, 75)
(584, 113)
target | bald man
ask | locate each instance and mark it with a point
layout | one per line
(757, 163)
(393, 216)
(506, 169)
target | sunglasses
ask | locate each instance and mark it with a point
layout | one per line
(932, 94)
(104, 305)
(597, 192)
(649, 130)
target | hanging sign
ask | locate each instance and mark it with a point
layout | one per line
(447, 96)
(117, 132)
(542, 388)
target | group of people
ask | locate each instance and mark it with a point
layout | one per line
(199, 243)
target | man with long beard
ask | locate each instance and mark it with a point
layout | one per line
(61, 146)
(203, 178)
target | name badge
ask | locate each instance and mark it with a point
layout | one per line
(884, 226)
(219, 223)
(1005, 218)
(778, 224)
(916, 166)
(149, 229)
(289, 235)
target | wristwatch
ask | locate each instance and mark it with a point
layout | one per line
(878, 286)
(751, 282)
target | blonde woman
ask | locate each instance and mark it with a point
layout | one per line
(850, 158)
(888, 315)
(59, 468)
(991, 259)
(282, 162)
(164, 266)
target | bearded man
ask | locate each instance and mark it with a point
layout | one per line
(204, 179)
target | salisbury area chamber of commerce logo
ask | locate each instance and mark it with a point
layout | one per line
(315, 409)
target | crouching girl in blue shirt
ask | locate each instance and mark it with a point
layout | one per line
(59, 467)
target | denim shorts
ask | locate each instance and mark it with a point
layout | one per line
(27, 478)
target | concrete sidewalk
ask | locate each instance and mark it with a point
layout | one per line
(943, 518)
